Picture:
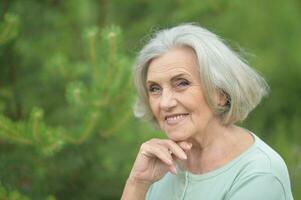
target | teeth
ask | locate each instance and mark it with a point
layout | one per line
(175, 117)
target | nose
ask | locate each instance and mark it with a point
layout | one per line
(167, 101)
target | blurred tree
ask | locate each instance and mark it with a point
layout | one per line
(49, 142)
(66, 127)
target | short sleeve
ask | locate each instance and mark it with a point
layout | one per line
(259, 186)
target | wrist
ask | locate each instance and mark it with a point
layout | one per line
(138, 183)
(135, 189)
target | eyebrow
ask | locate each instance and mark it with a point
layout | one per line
(173, 78)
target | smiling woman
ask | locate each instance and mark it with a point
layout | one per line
(192, 86)
(175, 94)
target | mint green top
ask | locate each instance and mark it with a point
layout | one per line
(259, 173)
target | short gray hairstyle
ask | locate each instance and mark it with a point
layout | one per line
(221, 70)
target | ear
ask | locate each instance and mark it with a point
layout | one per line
(222, 98)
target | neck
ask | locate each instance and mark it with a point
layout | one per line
(213, 148)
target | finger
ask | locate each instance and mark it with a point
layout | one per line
(185, 145)
(175, 149)
(159, 152)
(173, 169)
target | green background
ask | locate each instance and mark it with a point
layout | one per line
(66, 93)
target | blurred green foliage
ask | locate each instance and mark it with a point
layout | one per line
(66, 127)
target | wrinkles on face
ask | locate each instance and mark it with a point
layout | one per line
(175, 88)
(160, 74)
(173, 65)
(165, 75)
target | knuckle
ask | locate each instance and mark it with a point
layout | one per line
(143, 146)
(148, 144)
(169, 142)
(154, 140)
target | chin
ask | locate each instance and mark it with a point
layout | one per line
(177, 136)
(178, 132)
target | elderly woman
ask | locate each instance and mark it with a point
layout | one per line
(195, 88)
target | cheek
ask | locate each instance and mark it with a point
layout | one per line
(192, 101)
(198, 105)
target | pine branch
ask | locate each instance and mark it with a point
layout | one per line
(112, 79)
(9, 28)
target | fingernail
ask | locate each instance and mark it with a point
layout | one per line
(174, 170)
(184, 156)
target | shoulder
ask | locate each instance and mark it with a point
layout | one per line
(260, 168)
(262, 159)
(255, 186)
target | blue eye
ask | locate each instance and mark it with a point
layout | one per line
(154, 89)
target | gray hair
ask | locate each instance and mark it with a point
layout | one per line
(221, 70)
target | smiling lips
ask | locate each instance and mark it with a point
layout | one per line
(176, 118)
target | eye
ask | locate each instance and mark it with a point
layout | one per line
(154, 89)
(182, 83)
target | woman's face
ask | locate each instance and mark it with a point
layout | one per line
(175, 94)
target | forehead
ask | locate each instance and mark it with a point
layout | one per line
(176, 61)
